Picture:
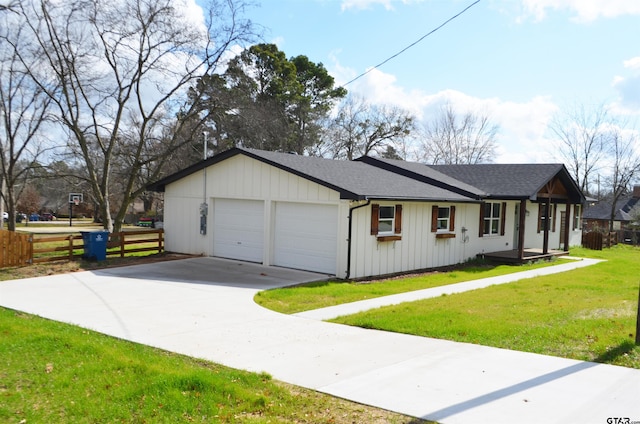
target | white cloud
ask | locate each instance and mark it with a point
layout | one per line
(523, 126)
(633, 63)
(585, 10)
(628, 88)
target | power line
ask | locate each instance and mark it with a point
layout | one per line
(414, 43)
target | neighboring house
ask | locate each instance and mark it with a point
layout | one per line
(597, 216)
(366, 217)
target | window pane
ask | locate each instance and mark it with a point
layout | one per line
(487, 210)
(494, 226)
(386, 211)
(487, 224)
(496, 210)
(385, 226)
(443, 213)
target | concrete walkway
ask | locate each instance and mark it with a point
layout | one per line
(204, 308)
(332, 312)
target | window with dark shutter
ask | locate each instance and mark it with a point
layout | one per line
(386, 222)
(503, 218)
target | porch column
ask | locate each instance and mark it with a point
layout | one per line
(522, 217)
(545, 243)
(567, 223)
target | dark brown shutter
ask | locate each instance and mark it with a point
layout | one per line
(575, 217)
(452, 218)
(481, 230)
(503, 218)
(540, 205)
(434, 218)
(375, 216)
(398, 220)
(553, 220)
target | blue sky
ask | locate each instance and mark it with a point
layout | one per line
(517, 60)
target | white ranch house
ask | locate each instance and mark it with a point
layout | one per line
(368, 217)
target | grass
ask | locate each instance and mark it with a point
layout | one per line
(586, 314)
(306, 297)
(57, 373)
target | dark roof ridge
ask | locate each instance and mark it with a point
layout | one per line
(432, 177)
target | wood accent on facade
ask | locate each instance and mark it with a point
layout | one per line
(389, 238)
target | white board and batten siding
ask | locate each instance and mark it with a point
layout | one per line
(259, 213)
(418, 248)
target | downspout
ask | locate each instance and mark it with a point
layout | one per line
(204, 206)
(349, 236)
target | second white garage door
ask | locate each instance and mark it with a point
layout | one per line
(238, 229)
(305, 236)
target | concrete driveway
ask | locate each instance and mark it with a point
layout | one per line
(204, 308)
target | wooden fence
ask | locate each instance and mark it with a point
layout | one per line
(24, 249)
(596, 240)
(16, 249)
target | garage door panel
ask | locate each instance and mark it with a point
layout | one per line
(238, 229)
(305, 236)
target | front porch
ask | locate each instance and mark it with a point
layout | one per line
(528, 255)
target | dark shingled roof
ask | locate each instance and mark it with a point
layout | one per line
(602, 209)
(353, 180)
(374, 178)
(504, 181)
(425, 174)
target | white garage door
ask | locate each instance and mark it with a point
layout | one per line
(238, 229)
(305, 236)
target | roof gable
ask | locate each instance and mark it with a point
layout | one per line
(517, 181)
(353, 180)
(375, 178)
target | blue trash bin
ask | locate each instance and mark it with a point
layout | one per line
(95, 244)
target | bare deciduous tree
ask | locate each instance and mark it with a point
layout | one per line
(360, 129)
(117, 73)
(625, 164)
(581, 133)
(453, 138)
(23, 114)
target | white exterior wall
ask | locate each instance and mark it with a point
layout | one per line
(241, 177)
(419, 248)
(182, 201)
(533, 238)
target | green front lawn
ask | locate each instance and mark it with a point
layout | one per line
(56, 373)
(586, 314)
(290, 300)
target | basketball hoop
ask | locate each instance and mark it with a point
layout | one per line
(75, 198)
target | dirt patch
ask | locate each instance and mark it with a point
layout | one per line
(63, 267)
